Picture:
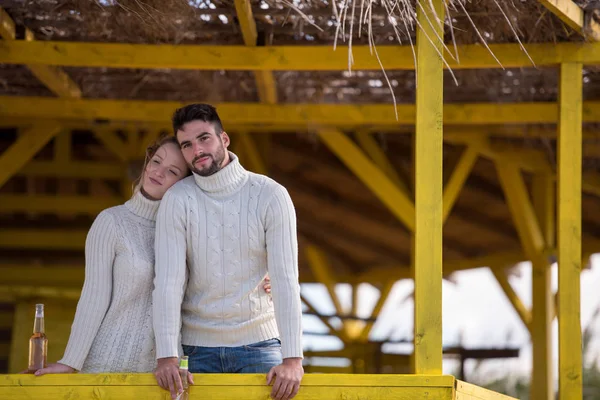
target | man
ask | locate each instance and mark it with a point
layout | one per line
(230, 227)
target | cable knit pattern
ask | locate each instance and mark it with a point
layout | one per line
(112, 330)
(217, 237)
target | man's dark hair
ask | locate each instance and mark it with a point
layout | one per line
(196, 112)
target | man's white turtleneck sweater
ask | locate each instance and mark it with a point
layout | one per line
(217, 237)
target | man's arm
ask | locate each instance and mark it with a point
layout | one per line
(169, 286)
(282, 264)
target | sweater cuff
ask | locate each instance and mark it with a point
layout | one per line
(292, 347)
(167, 347)
(70, 362)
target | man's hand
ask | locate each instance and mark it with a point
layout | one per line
(267, 285)
(167, 375)
(287, 379)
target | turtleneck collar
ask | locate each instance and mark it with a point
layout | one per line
(142, 206)
(226, 181)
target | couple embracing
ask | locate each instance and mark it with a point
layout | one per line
(185, 267)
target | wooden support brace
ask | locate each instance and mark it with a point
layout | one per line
(513, 297)
(24, 148)
(375, 152)
(251, 152)
(323, 272)
(383, 296)
(312, 309)
(458, 179)
(383, 187)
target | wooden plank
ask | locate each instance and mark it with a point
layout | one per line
(568, 12)
(10, 203)
(249, 114)
(42, 239)
(283, 58)
(428, 190)
(231, 380)
(24, 148)
(73, 169)
(569, 233)
(467, 391)
(223, 392)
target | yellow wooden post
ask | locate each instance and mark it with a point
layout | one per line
(428, 190)
(542, 310)
(569, 232)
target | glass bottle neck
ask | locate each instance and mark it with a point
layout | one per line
(38, 325)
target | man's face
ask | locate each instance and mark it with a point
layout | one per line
(204, 150)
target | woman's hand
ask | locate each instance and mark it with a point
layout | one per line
(56, 368)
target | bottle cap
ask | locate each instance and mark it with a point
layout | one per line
(183, 362)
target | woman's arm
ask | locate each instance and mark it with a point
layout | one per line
(95, 296)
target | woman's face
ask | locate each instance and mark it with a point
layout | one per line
(166, 167)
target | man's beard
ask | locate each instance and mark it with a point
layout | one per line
(215, 165)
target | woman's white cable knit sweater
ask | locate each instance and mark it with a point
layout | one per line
(112, 330)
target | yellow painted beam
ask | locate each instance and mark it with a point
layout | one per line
(458, 179)
(428, 190)
(56, 276)
(383, 187)
(251, 152)
(376, 153)
(340, 334)
(73, 169)
(468, 391)
(11, 203)
(6, 318)
(542, 310)
(571, 14)
(265, 82)
(513, 297)
(569, 233)
(62, 147)
(42, 239)
(17, 293)
(321, 269)
(7, 26)
(228, 386)
(24, 148)
(522, 211)
(282, 58)
(338, 115)
(383, 296)
(52, 77)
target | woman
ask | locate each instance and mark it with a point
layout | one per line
(112, 330)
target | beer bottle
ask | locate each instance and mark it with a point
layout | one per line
(38, 343)
(183, 373)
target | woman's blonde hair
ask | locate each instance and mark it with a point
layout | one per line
(150, 152)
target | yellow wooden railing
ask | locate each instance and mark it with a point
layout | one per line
(238, 387)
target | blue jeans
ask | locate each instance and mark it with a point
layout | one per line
(249, 359)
